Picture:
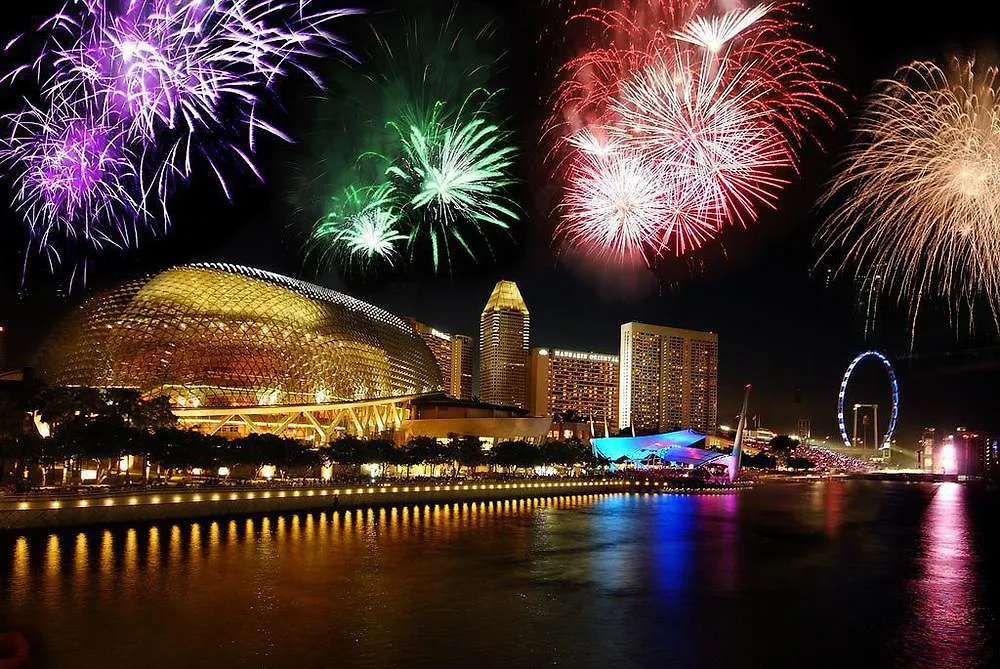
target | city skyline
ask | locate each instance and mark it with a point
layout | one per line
(790, 329)
(779, 408)
(499, 333)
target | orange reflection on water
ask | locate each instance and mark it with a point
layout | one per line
(20, 576)
(833, 506)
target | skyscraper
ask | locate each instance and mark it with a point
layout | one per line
(668, 378)
(561, 381)
(461, 366)
(503, 347)
(453, 354)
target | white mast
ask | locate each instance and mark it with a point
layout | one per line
(734, 461)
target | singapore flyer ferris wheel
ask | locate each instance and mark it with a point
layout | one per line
(893, 415)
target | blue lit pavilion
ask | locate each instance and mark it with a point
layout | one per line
(679, 447)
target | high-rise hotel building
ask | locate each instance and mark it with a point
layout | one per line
(561, 381)
(668, 378)
(503, 347)
(453, 354)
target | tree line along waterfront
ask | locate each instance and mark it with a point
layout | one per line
(53, 436)
(69, 436)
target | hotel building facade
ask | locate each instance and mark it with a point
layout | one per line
(453, 354)
(583, 382)
(504, 329)
(668, 378)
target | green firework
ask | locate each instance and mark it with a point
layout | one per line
(453, 170)
(361, 225)
(419, 129)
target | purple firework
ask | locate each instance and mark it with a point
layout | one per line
(170, 64)
(75, 175)
(136, 91)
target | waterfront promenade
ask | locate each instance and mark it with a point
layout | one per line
(118, 507)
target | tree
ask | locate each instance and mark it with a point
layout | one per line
(423, 450)
(759, 461)
(172, 449)
(513, 455)
(154, 414)
(381, 452)
(18, 402)
(799, 463)
(59, 405)
(782, 445)
(466, 451)
(347, 450)
(102, 438)
(257, 450)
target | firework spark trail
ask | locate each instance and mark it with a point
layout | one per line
(721, 99)
(76, 174)
(361, 226)
(915, 204)
(454, 169)
(712, 33)
(445, 151)
(173, 81)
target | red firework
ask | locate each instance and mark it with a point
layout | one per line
(717, 99)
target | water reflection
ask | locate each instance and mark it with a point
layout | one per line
(591, 580)
(672, 544)
(945, 629)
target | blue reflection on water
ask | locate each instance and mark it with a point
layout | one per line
(672, 545)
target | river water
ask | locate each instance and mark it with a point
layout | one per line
(834, 573)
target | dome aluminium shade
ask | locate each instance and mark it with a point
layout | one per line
(227, 336)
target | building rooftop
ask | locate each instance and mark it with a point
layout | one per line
(442, 400)
(506, 296)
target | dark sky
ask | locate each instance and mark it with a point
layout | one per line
(781, 326)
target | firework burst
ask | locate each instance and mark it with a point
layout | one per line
(76, 176)
(916, 203)
(721, 100)
(164, 82)
(624, 206)
(457, 167)
(443, 150)
(361, 226)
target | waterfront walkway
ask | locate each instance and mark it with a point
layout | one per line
(117, 507)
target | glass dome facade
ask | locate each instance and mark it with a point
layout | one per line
(219, 336)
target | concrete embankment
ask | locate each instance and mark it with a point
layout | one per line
(28, 513)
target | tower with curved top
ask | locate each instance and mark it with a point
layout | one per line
(503, 347)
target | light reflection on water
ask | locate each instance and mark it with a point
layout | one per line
(945, 625)
(592, 580)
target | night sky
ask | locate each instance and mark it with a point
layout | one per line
(783, 326)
